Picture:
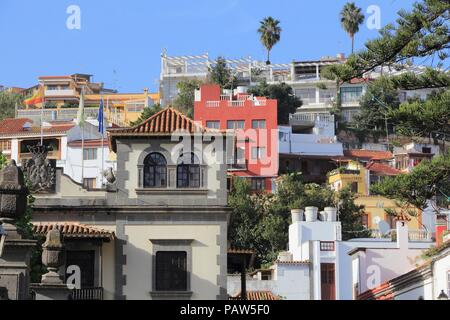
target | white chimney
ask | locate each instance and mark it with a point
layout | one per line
(297, 215)
(311, 214)
(402, 234)
(331, 214)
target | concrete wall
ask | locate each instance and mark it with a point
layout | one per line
(129, 177)
(138, 250)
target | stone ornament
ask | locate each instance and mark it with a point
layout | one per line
(53, 255)
(40, 171)
(13, 192)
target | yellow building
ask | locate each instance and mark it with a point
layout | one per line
(359, 178)
(61, 95)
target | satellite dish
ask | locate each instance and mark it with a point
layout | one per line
(384, 227)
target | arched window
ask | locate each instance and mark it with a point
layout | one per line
(188, 171)
(155, 171)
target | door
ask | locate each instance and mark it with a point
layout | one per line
(327, 277)
(86, 261)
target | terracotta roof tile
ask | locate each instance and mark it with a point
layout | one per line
(256, 296)
(383, 169)
(73, 231)
(11, 125)
(165, 122)
(241, 251)
(368, 154)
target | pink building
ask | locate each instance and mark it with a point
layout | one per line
(254, 121)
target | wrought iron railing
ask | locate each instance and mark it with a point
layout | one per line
(87, 294)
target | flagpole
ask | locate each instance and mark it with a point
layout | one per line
(82, 136)
(42, 116)
(103, 139)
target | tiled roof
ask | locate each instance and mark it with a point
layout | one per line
(402, 217)
(256, 296)
(383, 169)
(11, 125)
(368, 154)
(73, 231)
(163, 123)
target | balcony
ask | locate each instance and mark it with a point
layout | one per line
(87, 294)
(236, 103)
(56, 114)
(60, 93)
(413, 235)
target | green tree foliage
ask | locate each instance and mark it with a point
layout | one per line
(147, 113)
(270, 34)
(8, 102)
(350, 216)
(283, 93)
(427, 180)
(3, 160)
(220, 73)
(421, 32)
(184, 101)
(422, 118)
(381, 97)
(351, 19)
(261, 221)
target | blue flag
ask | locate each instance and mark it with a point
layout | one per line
(100, 117)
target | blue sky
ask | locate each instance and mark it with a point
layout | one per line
(128, 36)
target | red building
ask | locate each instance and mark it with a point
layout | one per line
(254, 121)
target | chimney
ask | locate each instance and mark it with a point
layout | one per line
(145, 97)
(402, 233)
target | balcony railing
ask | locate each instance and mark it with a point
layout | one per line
(312, 117)
(236, 103)
(413, 235)
(213, 104)
(87, 294)
(57, 114)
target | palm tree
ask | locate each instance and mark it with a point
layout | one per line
(270, 32)
(351, 19)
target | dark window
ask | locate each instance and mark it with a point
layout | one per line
(171, 271)
(89, 183)
(90, 154)
(188, 171)
(86, 261)
(155, 171)
(426, 150)
(365, 220)
(327, 272)
(258, 124)
(354, 187)
(235, 124)
(258, 153)
(258, 184)
(213, 124)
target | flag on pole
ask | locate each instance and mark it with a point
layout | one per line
(101, 118)
(38, 97)
(80, 114)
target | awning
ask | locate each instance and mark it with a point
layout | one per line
(73, 231)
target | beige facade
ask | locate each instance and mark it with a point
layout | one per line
(149, 223)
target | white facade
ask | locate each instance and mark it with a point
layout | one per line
(319, 138)
(92, 168)
(359, 264)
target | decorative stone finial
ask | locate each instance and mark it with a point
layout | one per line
(13, 192)
(53, 256)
